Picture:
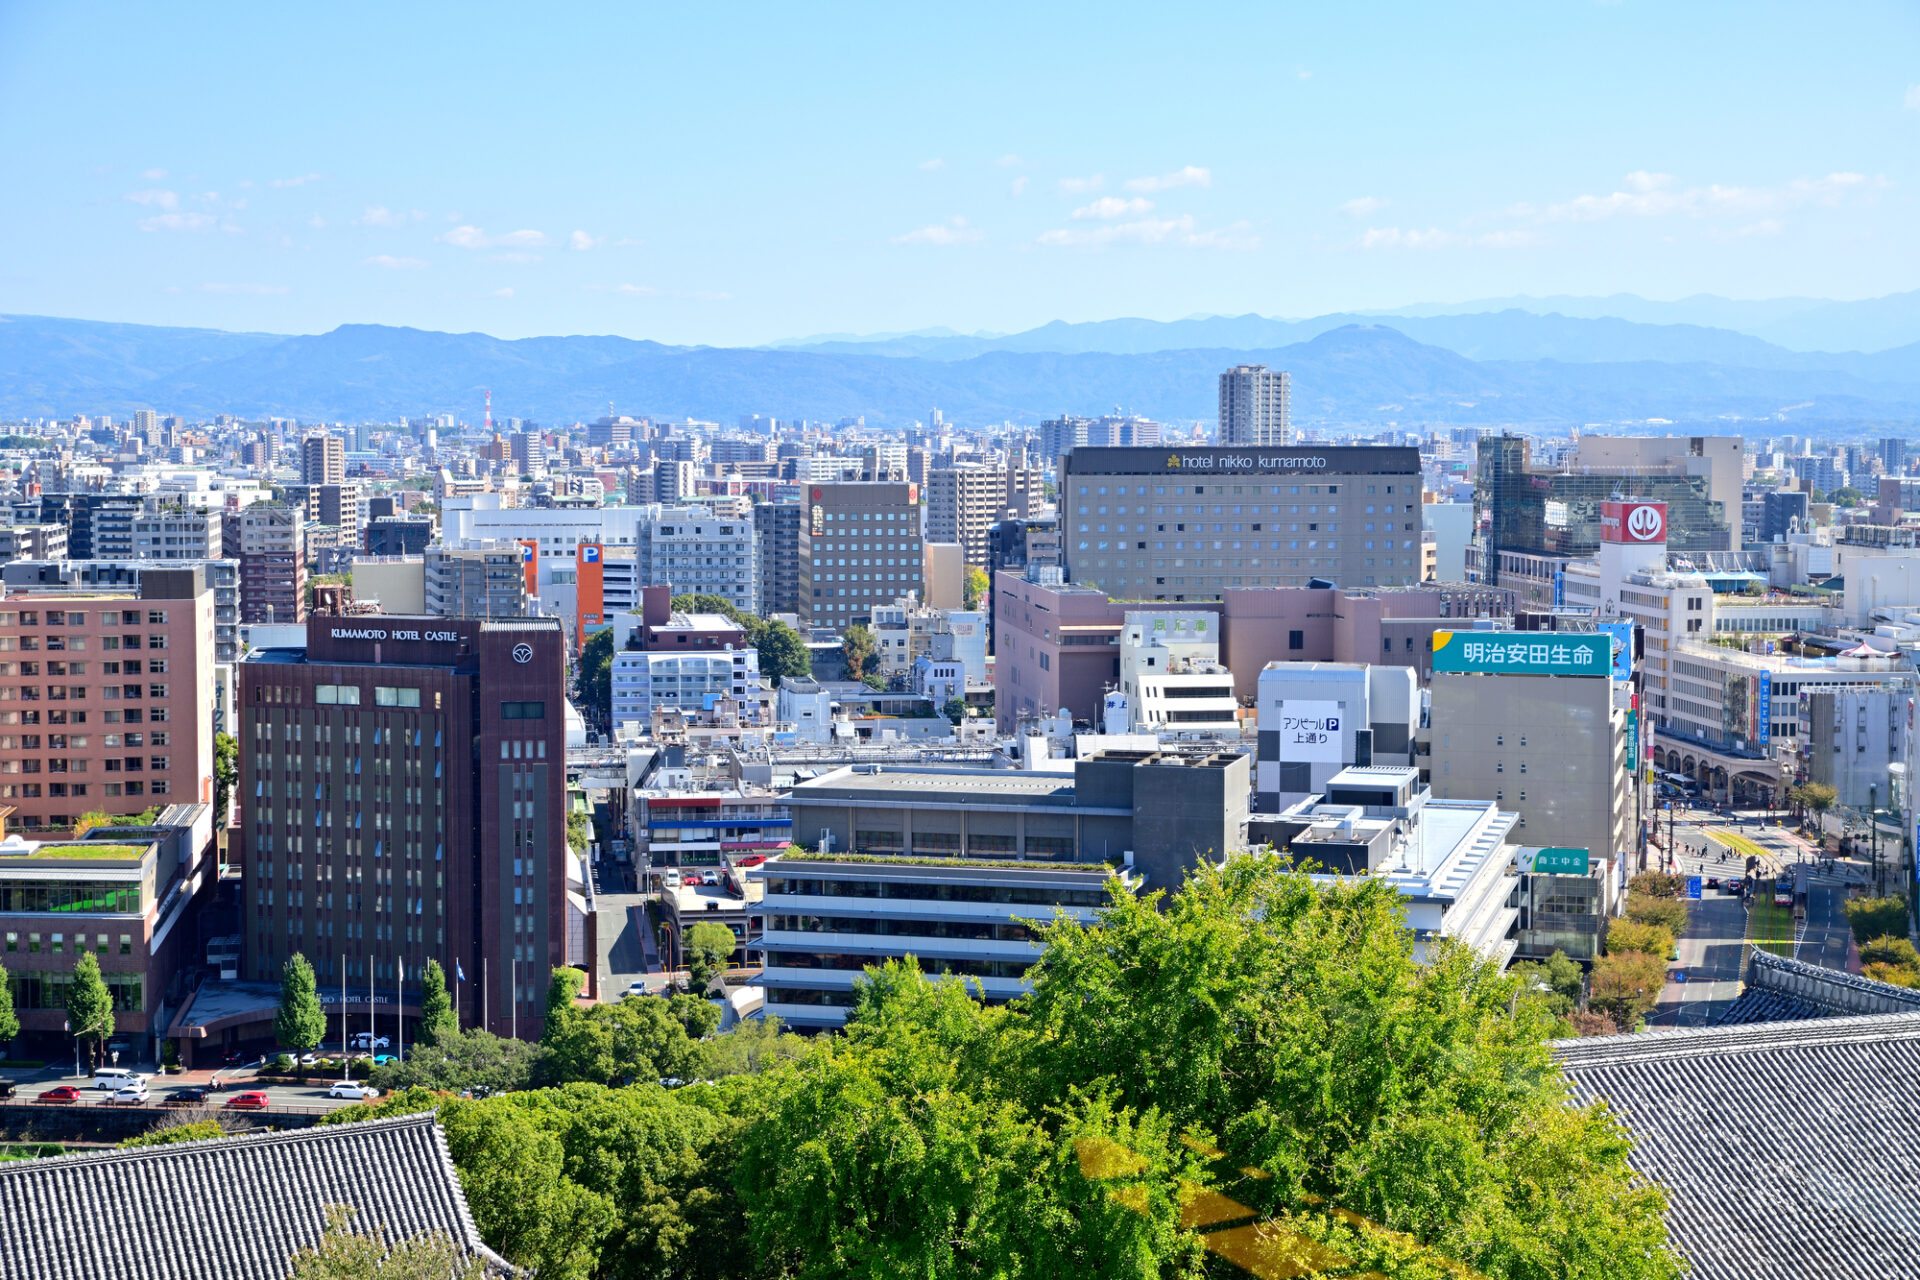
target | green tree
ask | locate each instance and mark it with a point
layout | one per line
(857, 648)
(344, 1254)
(1627, 986)
(298, 1024)
(1647, 939)
(1669, 914)
(1657, 884)
(1888, 950)
(90, 1007)
(1557, 981)
(9, 1022)
(1813, 797)
(462, 1060)
(167, 1132)
(1873, 918)
(596, 672)
(437, 1021)
(955, 710)
(976, 586)
(579, 830)
(707, 946)
(226, 772)
(708, 602)
(783, 653)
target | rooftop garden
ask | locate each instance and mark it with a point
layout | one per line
(905, 860)
(89, 849)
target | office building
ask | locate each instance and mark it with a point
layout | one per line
(1553, 742)
(1784, 511)
(1148, 524)
(827, 917)
(398, 535)
(269, 541)
(1015, 544)
(965, 502)
(860, 545)
(1254, 407)
(323, 460)
(1854, 736)
(130, 731)
(656, 626)
(33, 542)
(172, 532)
(1057, 435)
(482, 580)
(126, 895)
(403, 799)
(1171, 677)
(694, 551)
(777, 550)
(686, 828)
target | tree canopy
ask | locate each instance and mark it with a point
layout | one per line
(708, 945)
(596, 672)
(299, 1023)
(437, 1020)
(782, 652)
(9, 1021)
(976, 586)
(90, 1005)
(857, 647)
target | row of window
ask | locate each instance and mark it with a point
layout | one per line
(78, 791)
(131, 667)
(69, 618)
(87, 897)
(79, 764)
(77, 741)
(76, 644)
(36, 990)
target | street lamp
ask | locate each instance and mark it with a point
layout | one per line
(67, 1026)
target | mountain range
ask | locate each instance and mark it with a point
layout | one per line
(1511, 366)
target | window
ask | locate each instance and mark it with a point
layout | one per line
(383, 696)
(522, 710)
(341, 695)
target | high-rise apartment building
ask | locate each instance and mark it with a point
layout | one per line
(323, 460)
(269, 541)
(777, 530)
(124, 576)
(404, 800)
(104, 699)
(695, 551)
(1189, 524)
(484, 579)
(1254, 406)
(860, 546)
(166, 531)
(965, 502)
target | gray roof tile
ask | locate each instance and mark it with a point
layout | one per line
(233, 1208)
(1789, 1148)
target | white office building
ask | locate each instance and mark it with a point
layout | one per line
(689, 682)
(1171, 675)
(695, 551)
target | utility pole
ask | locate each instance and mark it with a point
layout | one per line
(1873, 836)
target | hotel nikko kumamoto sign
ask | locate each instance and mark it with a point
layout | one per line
(1528, 653)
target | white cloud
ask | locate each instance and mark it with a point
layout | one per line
(708, 295)
(317, 222)
(158, 199)
(1080, 186)
(154, 175)
(581, 240)
(466, 237)
(1019, 186)
(1107, 208)
(1913, 98)
(953, 231)
(931, 165)
(506, 292)
(1238, 235)
(184, 222)
(1652, 195)
(1363, 206)
(518, 257)
(391, 263)
(1764, 227)
(245, 288)
(377, 215)
(1305, 75)
(1190, 176)
(1144, 231)
(1435, 238)
(300, 181)
(1005, 162)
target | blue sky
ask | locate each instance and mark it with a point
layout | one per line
(742, 173)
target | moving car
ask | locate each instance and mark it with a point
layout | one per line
(7, 1087)
(352, 1089)
(635, 989)
(133, 1095)
(62, 1093)
(117, 1078)
(252, 1100)
(191, 1096)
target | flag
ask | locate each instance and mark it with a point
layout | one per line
(459, 974)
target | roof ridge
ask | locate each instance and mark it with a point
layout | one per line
(1752, 1037)
(272, 1137)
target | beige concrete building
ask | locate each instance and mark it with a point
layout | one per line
(398, 583)
(1721, 459)
(860, 546)
(1255, 406)
(964, 502)
(323, 460)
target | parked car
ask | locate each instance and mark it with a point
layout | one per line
(635, 989)
(353, 1089)
(710, 877)
(367, 1040)
(252, 1100)
(133, 1095)
(236, 1059)
(308, 1059)
(382, 1059)
(751, 860)
(670, 878)
(7, 1087)
(192, 1096)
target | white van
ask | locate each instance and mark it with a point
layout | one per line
(117, 1078)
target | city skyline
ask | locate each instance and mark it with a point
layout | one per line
(662, 176)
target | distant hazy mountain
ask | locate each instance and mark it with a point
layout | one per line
(1357, 373)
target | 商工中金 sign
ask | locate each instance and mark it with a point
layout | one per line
(1560, 862)
(1532, 653)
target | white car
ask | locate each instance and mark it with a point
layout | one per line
(635, 989)
(133, 1095)
(366, 1041)
(353, 1089)
(670, 878)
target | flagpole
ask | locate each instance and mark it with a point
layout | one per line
(400, 1010)
(343, 1008)
(515, 1024)
(486, 998)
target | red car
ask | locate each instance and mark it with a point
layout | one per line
(64, 1093)
(751, 860)
(250, 1101)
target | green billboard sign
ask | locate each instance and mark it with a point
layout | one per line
(1560, 862)
(1526, 653)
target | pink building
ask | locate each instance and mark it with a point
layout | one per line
(106, 699)
(1058, 645)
